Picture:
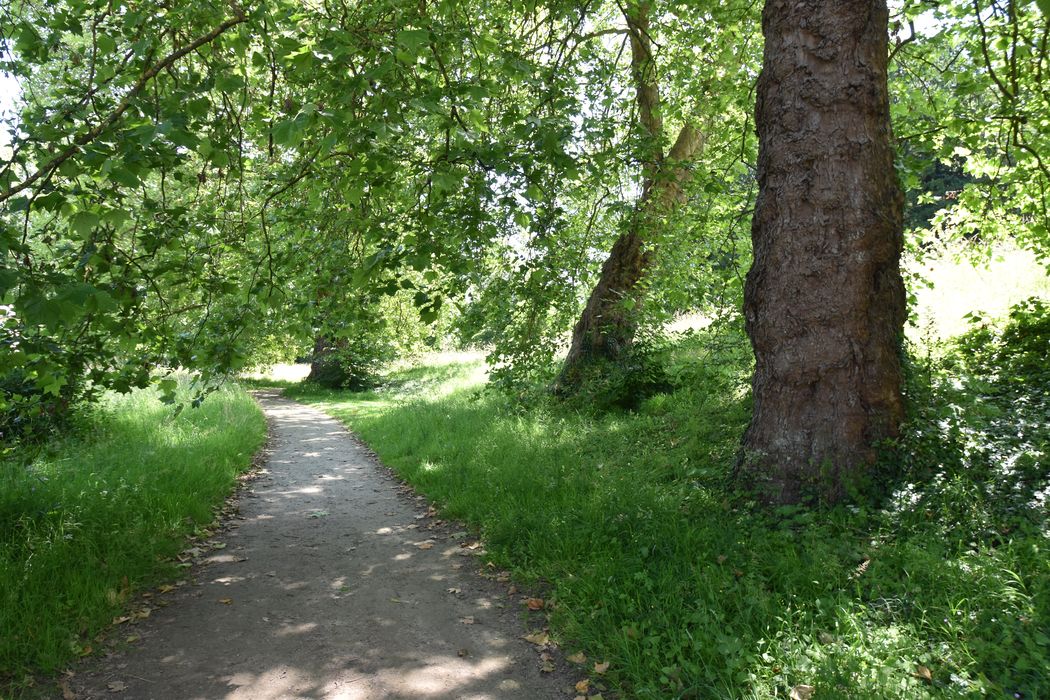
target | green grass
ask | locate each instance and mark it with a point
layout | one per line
(657, 567)
(94, 518)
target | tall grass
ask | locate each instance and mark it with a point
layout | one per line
(95, 517)
(656, 566)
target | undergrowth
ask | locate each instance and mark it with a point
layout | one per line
(939, 589)
(93, 518)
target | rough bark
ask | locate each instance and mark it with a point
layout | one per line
(824, 302)
(607, 325)
(326, 366)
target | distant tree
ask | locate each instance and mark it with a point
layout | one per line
(824, 300)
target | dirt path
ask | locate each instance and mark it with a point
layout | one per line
(329, 586)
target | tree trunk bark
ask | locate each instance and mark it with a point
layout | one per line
(824, 302)
(607, 325)
(326, 367)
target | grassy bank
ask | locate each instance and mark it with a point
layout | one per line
(655, 566)
(94, 518)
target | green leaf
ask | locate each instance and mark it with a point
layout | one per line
(123, 176)
(8, 280)
(413, 39)
(84, 222)
(230, 83)
(1044, 6)
(287, 133)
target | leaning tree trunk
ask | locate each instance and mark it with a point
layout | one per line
(824, 302)
(607, 325)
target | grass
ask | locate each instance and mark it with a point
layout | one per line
(655, 566)
(96, 517)
(954, 286)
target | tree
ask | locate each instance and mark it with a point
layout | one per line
(824, 300)
(606, 326)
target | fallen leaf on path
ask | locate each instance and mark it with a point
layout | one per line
(121, 620)
(546, 667)
(117, 687)
(425, 545)
(801, 692)
(512, 590)
(534, 603)
(601, 668)
(468, 620)
(583, 686)
(67, 692)
(577, 658)
(226, 601)
(131, 639)
(537, 638)
(166, 588)
(454, 591)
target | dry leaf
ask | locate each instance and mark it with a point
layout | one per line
(538, 638)
(534, 603)
(583, 686)
(601, 668)
(453, 591)
(468, 620)
(801, 692)
(577, 658)
(67, 692)
(546, 667)
(117, 687)
(425, 545)
(131, 639)
(86, 650)
(226, 601)
(166, 588)
(923, 673)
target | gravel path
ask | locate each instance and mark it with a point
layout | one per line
(331, 583)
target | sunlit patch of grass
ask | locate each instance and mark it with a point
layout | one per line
(92, 518)
(954, 287)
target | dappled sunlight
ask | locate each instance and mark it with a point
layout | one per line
(330, 588)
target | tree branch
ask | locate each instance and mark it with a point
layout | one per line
(125, 102)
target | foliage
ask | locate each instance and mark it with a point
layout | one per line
(971, 95)
(95, 518)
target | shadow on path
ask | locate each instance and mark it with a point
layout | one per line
(328, 587)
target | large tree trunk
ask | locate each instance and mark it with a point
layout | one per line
(824, 302)
(607, 325)
(326, 363)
